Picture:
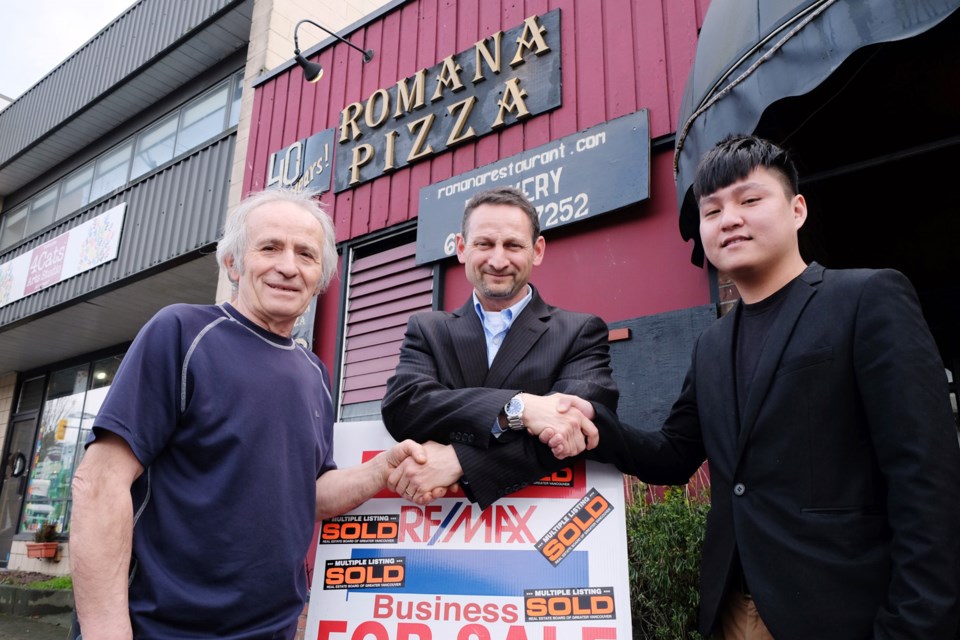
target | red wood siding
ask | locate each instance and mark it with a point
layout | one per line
(618, 56)
(385, 289)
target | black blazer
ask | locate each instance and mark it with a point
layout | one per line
(838, 483)
(443, 391)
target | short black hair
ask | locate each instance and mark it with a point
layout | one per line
(502, 195)
(735, 157)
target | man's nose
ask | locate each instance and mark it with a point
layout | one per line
(498, 257)
(730, 218)
(286, 262)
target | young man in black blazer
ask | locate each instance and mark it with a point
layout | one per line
(821, 404)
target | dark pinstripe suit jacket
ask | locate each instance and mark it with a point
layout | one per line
(443, 390)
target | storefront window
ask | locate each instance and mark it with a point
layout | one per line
(112, 170)
(155, 146)
(31, 394)
(103, 372)
(42, 209)
(74, 397)
(13, 225)
(202, 120)
(183, 130)
(76, 191)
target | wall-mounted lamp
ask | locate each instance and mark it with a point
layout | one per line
(312, 71)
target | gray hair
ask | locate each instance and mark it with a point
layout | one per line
(234, 241)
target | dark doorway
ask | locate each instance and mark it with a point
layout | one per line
(878, 145)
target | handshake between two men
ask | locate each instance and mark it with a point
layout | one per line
(562, 422)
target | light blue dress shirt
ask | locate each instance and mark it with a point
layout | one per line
(496, 324)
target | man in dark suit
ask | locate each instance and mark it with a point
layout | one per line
(821, 404)
(487, 387)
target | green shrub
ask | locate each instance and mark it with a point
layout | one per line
(664, 540)
(60, 583)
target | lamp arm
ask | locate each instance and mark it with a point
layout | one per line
(367, 55)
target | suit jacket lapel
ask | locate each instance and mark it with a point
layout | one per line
(469, 344)
(723, 386)
(524, 333)
(773, 348)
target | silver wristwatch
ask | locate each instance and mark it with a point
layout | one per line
(514, 412)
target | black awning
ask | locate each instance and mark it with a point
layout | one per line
(752, 53)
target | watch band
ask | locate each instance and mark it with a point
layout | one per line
(513, 410)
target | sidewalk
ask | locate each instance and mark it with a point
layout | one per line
(46, 628)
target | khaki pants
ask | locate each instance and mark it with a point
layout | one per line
(741, 621)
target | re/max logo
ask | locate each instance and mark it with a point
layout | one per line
(466, 523)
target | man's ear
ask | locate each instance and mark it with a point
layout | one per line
(539, 249)
(461, 248)
(233, 274)
(799, 210)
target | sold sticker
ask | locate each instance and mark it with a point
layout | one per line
(364, 573)
(573, 527)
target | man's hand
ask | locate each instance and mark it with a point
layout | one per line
(395, 456)
(422, 483)
(341, 490)
(562, 422)
(565, 401)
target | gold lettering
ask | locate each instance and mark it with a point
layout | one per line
(359, 160)
(423, 128)
(531, 29)
(375, 121)
(406, 96)
(481, 52)
(512, 101)
(449, 76)
(464, 107)
(389, 162)
(348, 120)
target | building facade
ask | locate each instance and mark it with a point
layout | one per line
(586, 106)
(116, 173)
(573, 102)
(148, 133)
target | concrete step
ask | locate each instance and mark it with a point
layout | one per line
(35, 603)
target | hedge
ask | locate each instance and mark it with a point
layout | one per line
(664, 540)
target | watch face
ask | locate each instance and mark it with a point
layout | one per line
(514, 406)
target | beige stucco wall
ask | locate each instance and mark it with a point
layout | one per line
(271, 44)
(8, 384)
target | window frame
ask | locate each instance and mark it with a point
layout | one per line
(231, 86)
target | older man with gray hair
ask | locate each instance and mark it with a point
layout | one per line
(212, 455)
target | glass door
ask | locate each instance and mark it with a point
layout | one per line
(15, 469)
